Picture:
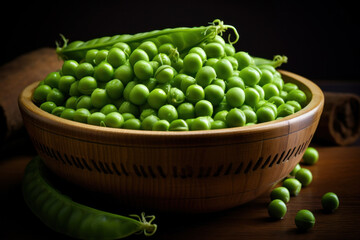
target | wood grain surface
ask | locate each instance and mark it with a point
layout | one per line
(337, 170)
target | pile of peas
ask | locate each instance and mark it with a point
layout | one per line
(155, 88)
(300, 177)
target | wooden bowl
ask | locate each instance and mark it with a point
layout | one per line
(194, 171)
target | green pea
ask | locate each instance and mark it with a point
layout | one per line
(203, 108)
(304, 220)
(311, 156)
(157, 98)
(295, 104)
(52, 79)
(277, 100)
(214, 94)
(69, 67)
(235, 118)
(250, 116)
(161, 125)
(166, 48)
(114, 120)
(186, 81)
(298, 96)
(195, 93)
(40, 93)
(138, 94)
(58, 110)
(223, 69)
(260, 91)
(71, 102)
(128, 88)
(205, 76)
(96, 118)
(116, 57)
(250, 76)
(304, 176)
(128, 107)
(99, 98)
(201, 52)
(186, 110)
(290, 86)
(219, 82)
(148, 122)
(162, 59)
(229, 49)
(164, 74)
(103, 72)
(270, 90)
(91, 55)
(55, 96)
(200, 123)
(137, 55)
(68, 113)
(243, 59)
(192, 63)
(178, 125)
(265, 114)
(217, 39)
(221, 115)
(124, 73)
(175, 96)
(211, 62)
(235, 81)
(84, 101)
(74, 90)
(147, 112)
(277, 209)
(214, 50)
(252, 96)
(65, 83)
(281, 193)
(48, 106)
(168, 112)
(114, 88)
(108, 108)
(87, 85)
(127, 116)
(330, 202)
(150, 48)
(235, 97)
(266, 77)
(123, 46)
(218, 124)
(81, 115)
(143, 70)
(295, 170)
(293, 185)
(101, 56)
(84, 69)
(132, 123)
(285, 110)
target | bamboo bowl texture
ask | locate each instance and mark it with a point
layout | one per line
(194, 171)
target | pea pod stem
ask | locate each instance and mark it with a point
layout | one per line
(277, 61)
(61, 214)
(183, 38)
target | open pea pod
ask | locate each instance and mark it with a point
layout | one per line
(63, 215)
(182, 38)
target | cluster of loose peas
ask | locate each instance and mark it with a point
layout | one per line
(155, 88)
(300, 177)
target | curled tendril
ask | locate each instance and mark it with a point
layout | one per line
(278, 59)
(220, 28)
(149, 228)
(58, 48)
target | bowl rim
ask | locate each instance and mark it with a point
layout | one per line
(278, 127)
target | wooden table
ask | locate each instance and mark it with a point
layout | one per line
(337, 170)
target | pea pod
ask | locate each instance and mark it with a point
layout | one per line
(277, 61)
(63, 215)
(183, 38)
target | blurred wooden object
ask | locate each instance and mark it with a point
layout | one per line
(14, 77)
(340, 122)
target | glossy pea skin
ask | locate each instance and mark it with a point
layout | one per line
(186, 111)
(55, 96)
(116, 57)
(298, 96)
(114, 88)
(265, 114)
(194, 93)
(304, 220)
(168, 112)
(124, 73)
(164, 74)
(62, 215)
(137, 55)
(81, 115)
(157, 98)
(205, 76)
(114, 120)
(132, 123)
(68, 113)
(277, 209)
(304, 176)
(150, 48)
(175, 96)
(214, 94)
(103, 72)
(69, 67)
(330, 202)
(295, 170)
(161, 125)
(223, 69)
(178, 125)
(138, 94)
(235, 97)
(148, 122)
(99, 98)
(52, 79)
(293, 185)
(235, 118)
(84, 69)
(270, 90)
(311, 156)
(96, 118)
(200, 123)
(143, 70)
(87, 85)
(281, 193)
(48, 106)
(203, 108)
(252, 96)
(65, 83)
(101, 56)
(192, 63)
(243, 59)
(214, 50)
(201, 52)
(250, 76)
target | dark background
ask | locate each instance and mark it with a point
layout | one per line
(320, 38)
